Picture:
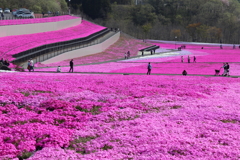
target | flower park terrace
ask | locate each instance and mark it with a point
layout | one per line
(36, 20)
(110, 116)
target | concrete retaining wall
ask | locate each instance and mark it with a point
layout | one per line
(84, 51)
(11, 30)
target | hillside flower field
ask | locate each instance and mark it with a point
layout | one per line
(115, 51)
(70, 116)
(208, 60)
(14, 44)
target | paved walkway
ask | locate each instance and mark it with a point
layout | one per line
(121, 60)
(158, 74)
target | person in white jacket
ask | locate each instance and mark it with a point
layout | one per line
(59, 69)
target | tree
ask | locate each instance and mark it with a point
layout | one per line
(146, 28)
(96, 8)
(214, 33)
(176, 33)
(143, 14)
(202, 32)
(36, 6)
(191, 29)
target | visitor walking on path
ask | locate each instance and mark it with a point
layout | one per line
(2, 15)
(59, 69)
(71, 66)
(194, 59)
(28, 66)
(149, 68)
(182, 59)
(128, 54)
(188, 59)
(125, 55)
(225, 69)
(31, 65)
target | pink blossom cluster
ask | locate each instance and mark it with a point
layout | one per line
(36, 20)
(71, 116)
(14, 44)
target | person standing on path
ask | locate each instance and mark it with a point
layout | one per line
(71, 66)
(182, 59)
(227, 69)
(59, 69)
(28, 66)
(31, 65)
(194, 59)
(125, 55)
(188, 59)
(2, 15)
(149, 68)
(128, 54)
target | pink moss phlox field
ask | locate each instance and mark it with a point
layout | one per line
(70, 116)
(209, 53)
(177, 68)
(36, 20)
(14, 44)
(115, 51)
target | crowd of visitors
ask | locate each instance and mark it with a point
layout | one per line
(30, 65)
(189, 59)
(5, 62)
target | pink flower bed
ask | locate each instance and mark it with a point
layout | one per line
(208, 60)
(177, 68)
(14, 44)
(157, 68)
(105, 67)
(210, 53)
(70, 116)
(115, 51)
(36, 20)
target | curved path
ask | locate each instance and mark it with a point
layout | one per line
(158, 74)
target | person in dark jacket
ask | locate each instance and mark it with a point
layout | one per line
(71, 66)
(6, 63)
(184, 73)
(149, 68)
(227, 69)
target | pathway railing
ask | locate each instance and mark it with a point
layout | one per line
(47, 51)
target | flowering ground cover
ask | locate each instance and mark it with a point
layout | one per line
(157, 68)
(115, 51)
(14, 44)
(209, 59)
(177, 68)
(36, 20)
(209, 53)
(69, 116)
